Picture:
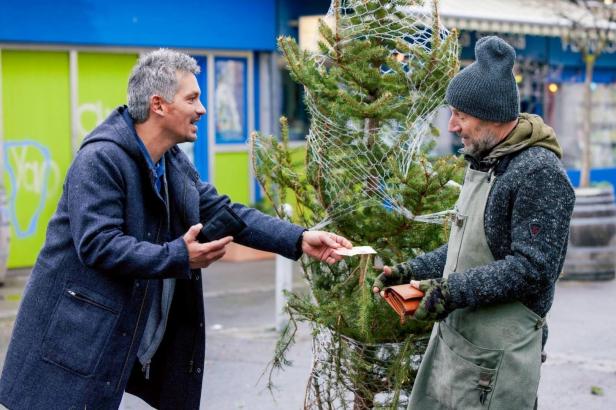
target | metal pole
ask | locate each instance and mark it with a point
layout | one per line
(284, 281)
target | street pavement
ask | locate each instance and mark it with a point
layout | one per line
(240, 319)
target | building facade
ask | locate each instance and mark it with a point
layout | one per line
(64, 66)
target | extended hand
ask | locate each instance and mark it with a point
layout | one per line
(435, 304)
(202, 255)
(321, 245)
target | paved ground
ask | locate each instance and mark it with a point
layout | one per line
(240, 318)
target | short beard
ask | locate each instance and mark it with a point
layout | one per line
(480, 148)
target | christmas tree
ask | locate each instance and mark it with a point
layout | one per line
(371, 90)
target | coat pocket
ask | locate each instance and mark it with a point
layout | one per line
(78, 330)
(463, 375)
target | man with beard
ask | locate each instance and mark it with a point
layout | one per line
(115, 300)
(490, 287)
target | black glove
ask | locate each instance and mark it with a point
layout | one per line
(436, 303)
(396, 275)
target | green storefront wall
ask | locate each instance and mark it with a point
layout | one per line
(36, 113)
(39, 143)
(101, 84)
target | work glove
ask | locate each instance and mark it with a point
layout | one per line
(391, 276)
(436, 303)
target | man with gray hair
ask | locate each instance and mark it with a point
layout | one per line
(491, 286)
(115, 300)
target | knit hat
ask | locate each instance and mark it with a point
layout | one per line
(486, 89)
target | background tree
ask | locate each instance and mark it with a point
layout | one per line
(371, 90)
(590, 30)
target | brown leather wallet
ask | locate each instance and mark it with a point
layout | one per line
(404, 299)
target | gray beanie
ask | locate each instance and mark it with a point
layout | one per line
(486, 89)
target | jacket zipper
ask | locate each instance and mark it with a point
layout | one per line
(191, 362)
(132, 342)
(200, 323)
(89, 301)
(146, 369)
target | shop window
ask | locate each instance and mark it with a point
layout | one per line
(293, 107)
(230, 97)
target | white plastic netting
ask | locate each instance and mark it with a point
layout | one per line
(347, 374)
(413, 26)
(371, 150)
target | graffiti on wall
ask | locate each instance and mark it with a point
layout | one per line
(90, 115)
(33, 177)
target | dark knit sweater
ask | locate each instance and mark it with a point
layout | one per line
(526, 222)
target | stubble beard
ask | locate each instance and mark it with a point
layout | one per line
(482, 146)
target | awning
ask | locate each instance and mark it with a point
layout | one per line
(511, 16)
(552, 18)
(532, 17)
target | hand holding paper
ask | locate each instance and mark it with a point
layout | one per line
(322, 245)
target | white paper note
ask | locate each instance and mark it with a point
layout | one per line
(356, 250)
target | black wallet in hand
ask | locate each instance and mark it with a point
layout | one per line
(223, 223)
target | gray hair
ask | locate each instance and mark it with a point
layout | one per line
(155, 74)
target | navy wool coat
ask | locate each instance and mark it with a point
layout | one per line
(108, 247)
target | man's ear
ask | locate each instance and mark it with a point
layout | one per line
(157, 105)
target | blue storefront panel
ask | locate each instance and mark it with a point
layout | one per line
(248, 25)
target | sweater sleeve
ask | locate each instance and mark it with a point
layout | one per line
(539, 232)
(427, 266)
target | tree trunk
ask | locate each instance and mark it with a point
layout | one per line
(589, 59)
(362, 403)
(371, 126)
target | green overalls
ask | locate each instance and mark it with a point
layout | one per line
(483, 358)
